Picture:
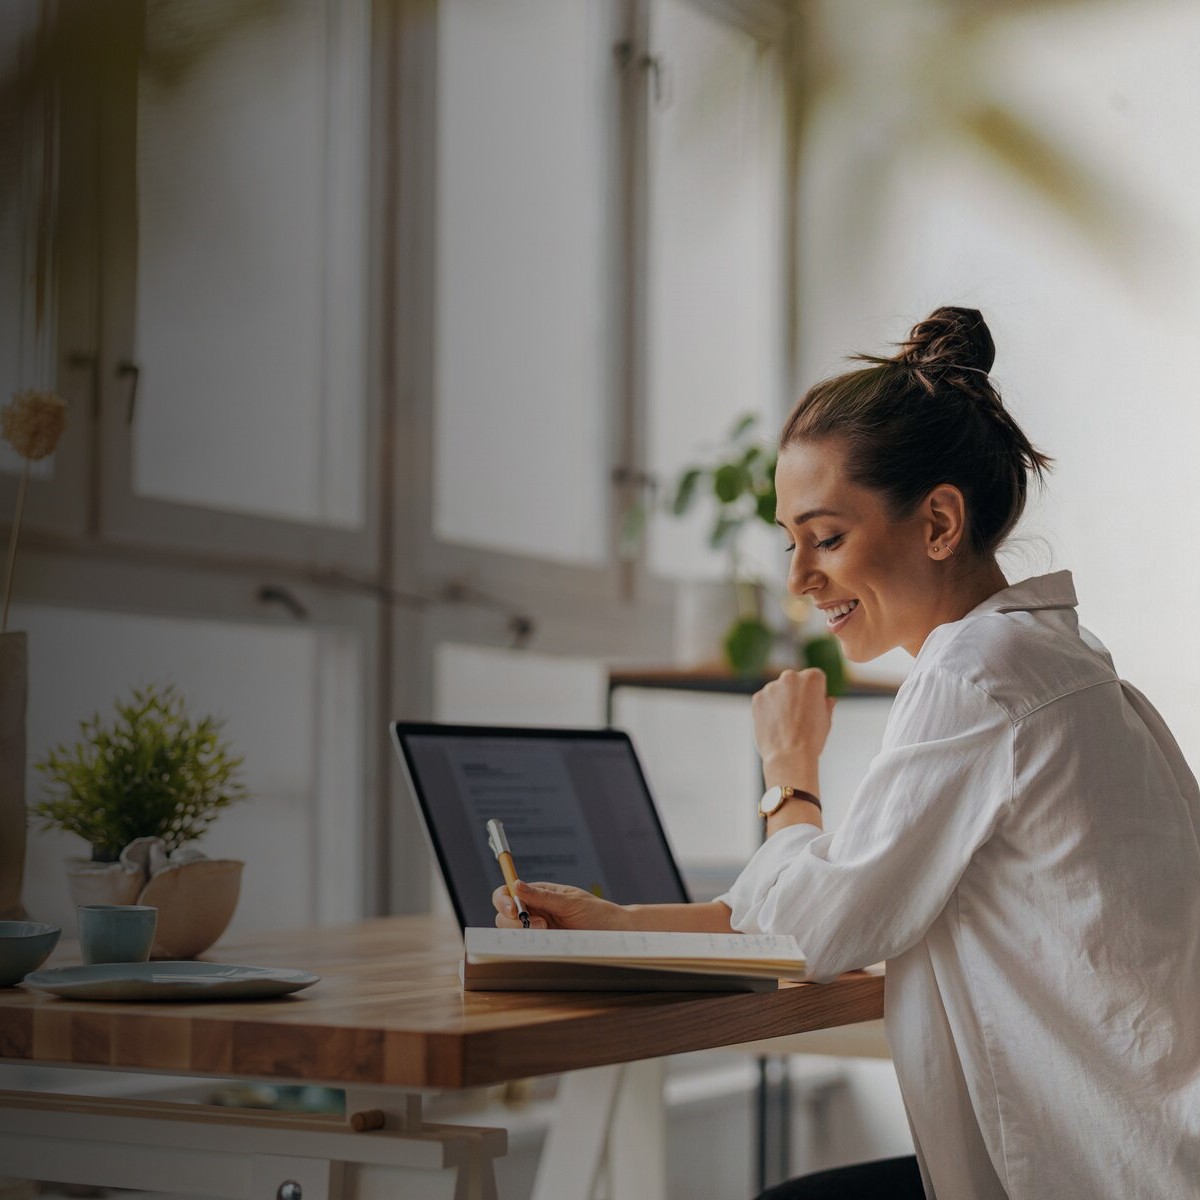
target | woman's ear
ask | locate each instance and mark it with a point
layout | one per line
(946, 521)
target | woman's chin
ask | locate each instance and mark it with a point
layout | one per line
(858, 654)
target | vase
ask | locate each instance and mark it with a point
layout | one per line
(14, 686)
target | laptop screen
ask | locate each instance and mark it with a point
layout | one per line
(574, 804)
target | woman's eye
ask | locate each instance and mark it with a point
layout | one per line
(829, 542)
(789, 549)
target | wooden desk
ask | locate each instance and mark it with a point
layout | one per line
(388, 1017)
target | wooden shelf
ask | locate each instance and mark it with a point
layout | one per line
(718, 679)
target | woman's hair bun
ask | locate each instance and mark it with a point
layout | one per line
(948, 338)
(928, 415)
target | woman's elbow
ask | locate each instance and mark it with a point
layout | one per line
(825, 962)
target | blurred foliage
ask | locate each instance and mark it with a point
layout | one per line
(918, 79)
(748, 645)
(738, 482)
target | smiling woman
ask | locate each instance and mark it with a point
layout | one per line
(898, 482)
(1024, 851)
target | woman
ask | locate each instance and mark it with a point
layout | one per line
(1024, 851)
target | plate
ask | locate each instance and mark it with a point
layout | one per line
(170, 981)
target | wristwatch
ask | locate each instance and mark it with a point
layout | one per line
(773, 799)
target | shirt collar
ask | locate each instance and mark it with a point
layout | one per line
(1042, 591)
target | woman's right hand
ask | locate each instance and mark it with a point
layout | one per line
(792, 716)
(558, 906)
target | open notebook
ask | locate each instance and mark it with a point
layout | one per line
(609, 960)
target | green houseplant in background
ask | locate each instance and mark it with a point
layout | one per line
(152, 772)
(739, 481)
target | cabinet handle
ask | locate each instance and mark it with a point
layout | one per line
(132, 372)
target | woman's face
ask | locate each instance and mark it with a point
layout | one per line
(871, 575)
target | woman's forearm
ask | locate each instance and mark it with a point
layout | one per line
(711, 917)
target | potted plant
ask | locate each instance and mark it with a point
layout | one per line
(739, 481)
(140, 789)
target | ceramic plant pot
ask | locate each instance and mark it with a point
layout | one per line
(104, 883)
(195, 896)
(14, 683)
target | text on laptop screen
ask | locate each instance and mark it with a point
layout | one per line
(576, 810)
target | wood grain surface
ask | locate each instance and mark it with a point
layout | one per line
(389, 1011)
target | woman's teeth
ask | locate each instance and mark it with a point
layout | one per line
(835, 614)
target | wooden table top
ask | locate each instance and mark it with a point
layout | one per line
(389, 1011)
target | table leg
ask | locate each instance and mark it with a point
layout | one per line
(773, 1121)
(607, 1119)
(575, 1143)
(637, 1143)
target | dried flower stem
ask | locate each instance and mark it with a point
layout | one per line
(22, 487)
(32, 425)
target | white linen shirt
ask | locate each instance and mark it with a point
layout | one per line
(1025, 854)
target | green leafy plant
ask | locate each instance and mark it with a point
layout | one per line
(740, 483)
(152, 772)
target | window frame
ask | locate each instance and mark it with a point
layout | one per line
(394, 582)
(621, 595)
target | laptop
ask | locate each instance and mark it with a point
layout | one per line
(574, 803)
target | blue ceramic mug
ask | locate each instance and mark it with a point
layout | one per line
(116, 933)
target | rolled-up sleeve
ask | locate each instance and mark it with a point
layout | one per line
(931, 798)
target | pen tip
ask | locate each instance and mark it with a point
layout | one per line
(525, 920)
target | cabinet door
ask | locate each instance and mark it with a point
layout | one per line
(238, 411)
(523, 371)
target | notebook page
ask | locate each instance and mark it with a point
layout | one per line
(610, 945)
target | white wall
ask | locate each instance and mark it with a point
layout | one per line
(1091, 292)
(289, 700)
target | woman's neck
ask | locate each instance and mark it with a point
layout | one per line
(967, 590)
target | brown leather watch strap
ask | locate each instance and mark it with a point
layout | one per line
(791, 793)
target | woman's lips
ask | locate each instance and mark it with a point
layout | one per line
(839, 623)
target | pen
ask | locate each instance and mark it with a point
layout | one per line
(499, 844)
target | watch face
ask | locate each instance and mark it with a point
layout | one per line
(772, 799)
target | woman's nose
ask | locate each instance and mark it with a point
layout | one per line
(803, 575)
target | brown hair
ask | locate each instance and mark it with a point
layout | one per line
(926, 416)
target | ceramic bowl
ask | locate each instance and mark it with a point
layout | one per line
(24, 946)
